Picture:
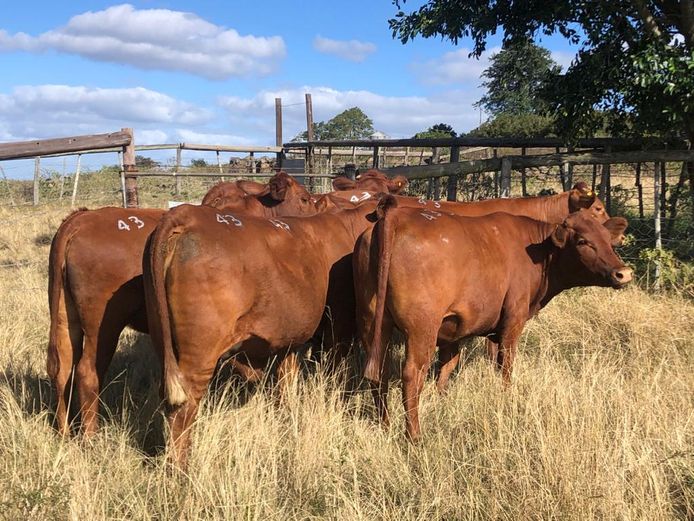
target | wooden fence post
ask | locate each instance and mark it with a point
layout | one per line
(62, 179)
(37, 175)
(122, 179)
(505, 183)
(437, 188)
(452, 187)
(656, 216)
(77, 180)
(570, 172)
(524, 178)
(278, 131)
(130, 168)
(177, 173)
(309, 136)
(606, 183)
(639, 189)
(375, 157)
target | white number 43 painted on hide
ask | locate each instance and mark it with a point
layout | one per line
(122, 225)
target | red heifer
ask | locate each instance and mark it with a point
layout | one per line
(95, 285)
(250, 286)
(442, 276)
(552, 209)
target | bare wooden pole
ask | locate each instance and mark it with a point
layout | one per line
(375, 157)
(62, 180)
(122, 178)
(309, 135)
(452, 187)
(37, 175)
(606, 184)
(278, 130)
(639, 189)
(656, 217)
(77, 180)
(407, 155)
(524, 178)
(130, 168)
(505, 182)
(330, 160)
(177, 171)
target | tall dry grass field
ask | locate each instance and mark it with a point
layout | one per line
(599, 423)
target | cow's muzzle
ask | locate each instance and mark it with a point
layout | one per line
(621, 276)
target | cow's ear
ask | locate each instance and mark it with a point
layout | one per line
(397, 184)
(253, 187)
(322, 203)
(279, 185)
(581, 196)
(560, 236)
(616, 226)
(343, 183)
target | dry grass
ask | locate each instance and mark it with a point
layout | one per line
(598, 424)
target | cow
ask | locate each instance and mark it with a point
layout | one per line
(366, 186)
(552, 208)
(251, 287)
(446, 277)
(95, 285)
(373, 181)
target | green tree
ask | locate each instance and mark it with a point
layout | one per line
(198, 163)
(635, 63)
(438, 130)
(352, 123)
(507, 124)
(515, 77)
(145, 163)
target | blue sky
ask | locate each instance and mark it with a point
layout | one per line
(209, 71)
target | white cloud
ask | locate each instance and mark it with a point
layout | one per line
(39, 111)
(397, 116)
(212, 138)
(453, 67)
(352, 50)
(157, 39)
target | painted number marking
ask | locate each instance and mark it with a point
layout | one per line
(430, 215)
(229, 219)
(279, 224)
(122, 225)
(363, 197)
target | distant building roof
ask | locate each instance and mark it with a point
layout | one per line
(379, 135)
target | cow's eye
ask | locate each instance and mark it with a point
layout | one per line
(581, 242)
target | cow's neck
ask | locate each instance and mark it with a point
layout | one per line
(555, 208)
(543, 253)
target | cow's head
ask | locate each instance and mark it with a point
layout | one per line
(587, 253)
(582, 197)
(376, 181)
(226, 196)
(288, 196)
(372, 181)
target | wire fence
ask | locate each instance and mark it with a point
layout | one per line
(628, 189)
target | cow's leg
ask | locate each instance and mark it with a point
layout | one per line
(379, 389)
(419, 352)
(91, 371)
(288, 373)
(449, 356)
(508, 342)
(61, 359)
(181, 418)
(493, 353)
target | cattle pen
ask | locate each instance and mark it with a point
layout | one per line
(650, 180)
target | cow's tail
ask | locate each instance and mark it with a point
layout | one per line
(57, 299)
(156, 260)
(383, 232)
